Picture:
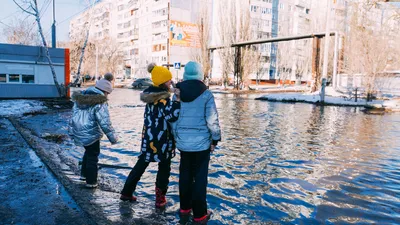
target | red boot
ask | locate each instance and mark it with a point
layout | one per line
(128, 198)
(204, 219)
(161, 201)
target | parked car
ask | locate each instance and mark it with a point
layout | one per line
(78, 84)
(87, 77)
(142, 82)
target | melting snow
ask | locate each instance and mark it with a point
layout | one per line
(19, 107)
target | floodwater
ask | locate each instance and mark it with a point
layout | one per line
(277, 162)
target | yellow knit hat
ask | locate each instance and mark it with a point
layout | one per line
(159, 74)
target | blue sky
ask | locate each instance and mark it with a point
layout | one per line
(65, 10)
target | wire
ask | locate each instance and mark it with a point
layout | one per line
(12, 14)
(43, 6)
(43, 12)
(5, 24)
(73, 15)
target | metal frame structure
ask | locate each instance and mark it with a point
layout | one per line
(315, 55)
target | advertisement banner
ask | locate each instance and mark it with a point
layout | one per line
(184, 34)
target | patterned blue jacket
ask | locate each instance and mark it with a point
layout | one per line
(158, 143)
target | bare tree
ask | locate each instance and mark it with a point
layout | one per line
(228, 34)
(285, 61)
(85, 42)
(34, 11)
(21, 31)
(85, 60)
(202, 55)
(226, 27)
(259, 69)
(370, 49)
(110, 57)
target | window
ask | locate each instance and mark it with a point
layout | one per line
(127, 24)
(28, 79)
(3, 78)
(13, 78)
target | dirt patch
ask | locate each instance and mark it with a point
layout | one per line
(56, 138)
(58, 104)
(35, 113)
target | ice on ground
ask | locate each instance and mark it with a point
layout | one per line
(19, 107)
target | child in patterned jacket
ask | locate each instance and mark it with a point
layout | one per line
(158, 144)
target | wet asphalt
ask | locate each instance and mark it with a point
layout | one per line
(30, 194)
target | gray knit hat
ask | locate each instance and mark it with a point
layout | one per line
(104, 85)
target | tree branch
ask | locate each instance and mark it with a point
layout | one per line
(25, 10)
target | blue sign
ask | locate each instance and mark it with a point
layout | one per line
(177, 65)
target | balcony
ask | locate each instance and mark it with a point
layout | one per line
(301, 3)
(160, 29)
(135, 37)
(132, 3)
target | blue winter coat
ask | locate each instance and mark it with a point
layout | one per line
(197, 126)
(90, 118)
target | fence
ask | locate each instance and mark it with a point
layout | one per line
(386, 84)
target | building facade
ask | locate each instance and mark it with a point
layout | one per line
(25, 71)
(142, 30)
(165, 32)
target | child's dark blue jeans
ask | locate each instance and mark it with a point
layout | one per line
(89, 162)
(162, 180)
(193, 174)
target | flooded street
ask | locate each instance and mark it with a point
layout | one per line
(277, 162)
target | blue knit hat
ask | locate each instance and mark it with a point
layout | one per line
(193, 71)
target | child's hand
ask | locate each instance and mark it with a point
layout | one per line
(212, 148)
(177, 93)
(113, 142)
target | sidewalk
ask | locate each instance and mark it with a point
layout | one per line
(30, 194)
(101, 205)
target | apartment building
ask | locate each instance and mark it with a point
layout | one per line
(293, 57)
(269, 19)
(144, 30)
(262, 20)
(164, 31)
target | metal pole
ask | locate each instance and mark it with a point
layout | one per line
(335, 60)
(327, 42)
(237, 19)
(326, 50)
(315, 63)
(53, 27)
(169, 34)
(97, 61)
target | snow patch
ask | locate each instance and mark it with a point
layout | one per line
(19, 107)
(393, 104)
(315, 98)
